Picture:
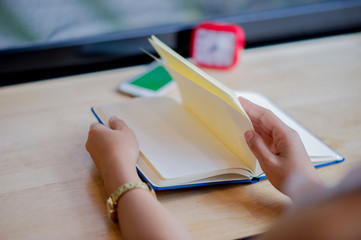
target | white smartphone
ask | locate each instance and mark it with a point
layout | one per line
(155, 81)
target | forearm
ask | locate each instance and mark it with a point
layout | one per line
(303, 188)
(141, 216)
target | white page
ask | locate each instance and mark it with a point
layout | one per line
(174, 142)
(316, 149)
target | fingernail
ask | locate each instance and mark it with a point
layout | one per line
(248, 135)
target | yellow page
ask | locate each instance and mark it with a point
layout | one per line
(186, 68)
(222, 119)
(212, 106)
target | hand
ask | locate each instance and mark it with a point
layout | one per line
(277, 147)
(115, 151)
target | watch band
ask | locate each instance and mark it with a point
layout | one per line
(112, 201)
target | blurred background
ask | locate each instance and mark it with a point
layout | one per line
(42, 39)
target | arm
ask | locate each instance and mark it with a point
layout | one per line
(280, 152)
(281, 155)
(115, 151)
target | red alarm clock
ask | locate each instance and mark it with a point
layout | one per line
(216, 44)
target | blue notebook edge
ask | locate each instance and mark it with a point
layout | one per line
(192, 185)
(250, 181)
(316, 166)
(329, 163)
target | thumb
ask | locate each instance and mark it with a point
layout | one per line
(115, 123)
(258, 147)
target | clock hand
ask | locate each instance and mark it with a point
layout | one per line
(213, 48)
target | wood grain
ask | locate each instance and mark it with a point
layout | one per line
(50, 188)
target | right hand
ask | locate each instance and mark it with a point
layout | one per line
(277, 147)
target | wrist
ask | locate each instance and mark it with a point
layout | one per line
(113, 202)
(299, 187)
(112, 183)
(118, 174)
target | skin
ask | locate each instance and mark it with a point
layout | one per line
(278, 148)
(337, 218)
(115, 151)
(280, 153)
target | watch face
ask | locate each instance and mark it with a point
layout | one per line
(214, 48)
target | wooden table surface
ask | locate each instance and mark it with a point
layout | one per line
(50, 188)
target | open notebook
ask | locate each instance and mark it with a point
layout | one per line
(199, 141)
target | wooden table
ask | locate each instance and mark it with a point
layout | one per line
(50, 188)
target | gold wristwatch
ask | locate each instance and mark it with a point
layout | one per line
(112, 201)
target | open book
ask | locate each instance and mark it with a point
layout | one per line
(199, 141)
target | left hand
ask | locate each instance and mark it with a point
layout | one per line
(115, 151)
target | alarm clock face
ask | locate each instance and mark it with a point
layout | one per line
(217, 44)
(214, 48)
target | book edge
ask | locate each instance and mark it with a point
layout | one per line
(192, 185)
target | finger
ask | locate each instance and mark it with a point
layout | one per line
(258, 147)
(95, 125)
(268, 139)
(116, 124)
(262, 117)
(93, 131)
